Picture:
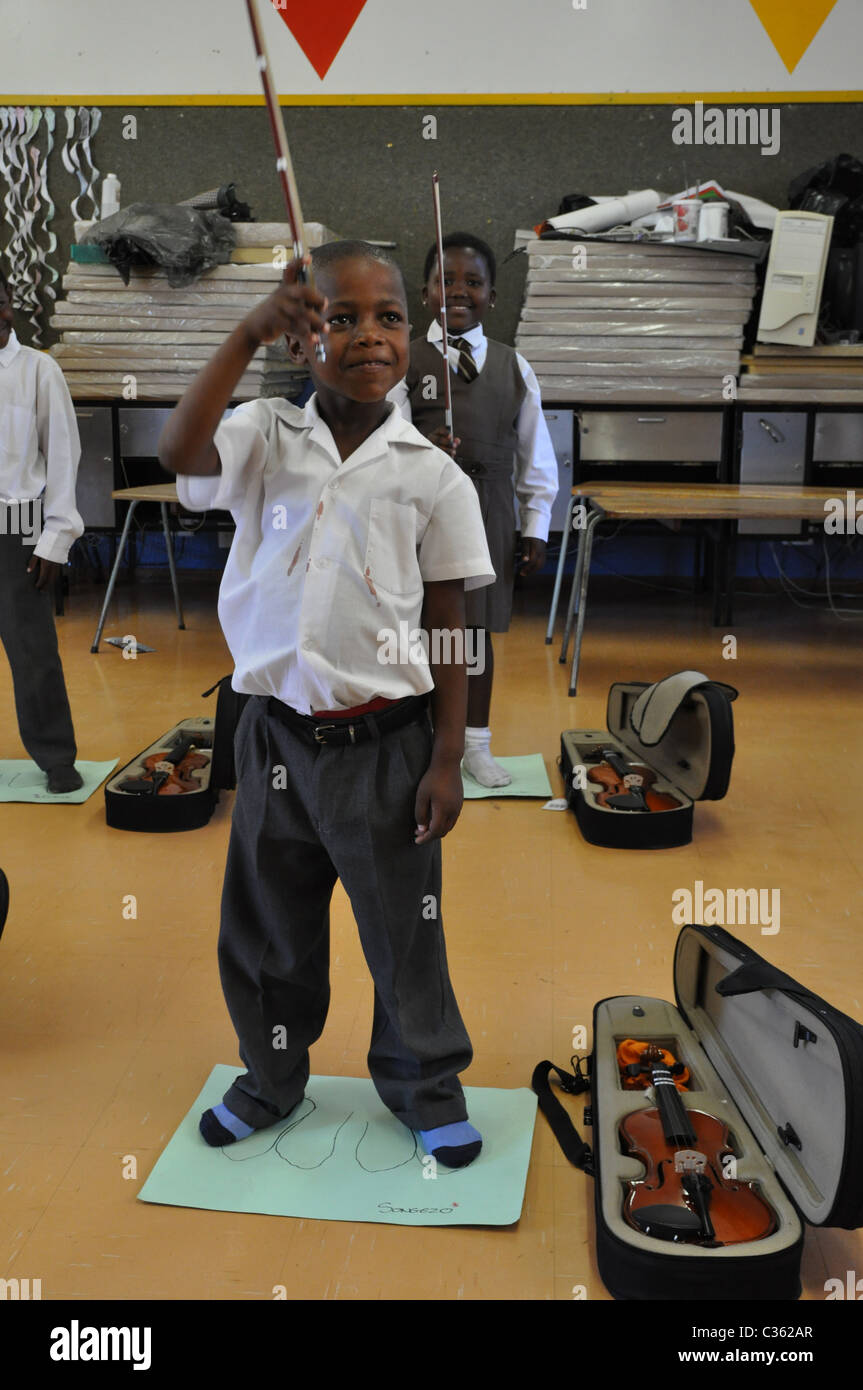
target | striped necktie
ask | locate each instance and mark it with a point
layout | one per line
(466, 365)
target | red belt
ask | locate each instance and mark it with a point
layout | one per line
(371, 708)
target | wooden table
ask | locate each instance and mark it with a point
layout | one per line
(623, 501)
(163, 493)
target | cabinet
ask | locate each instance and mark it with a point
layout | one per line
(773, 450)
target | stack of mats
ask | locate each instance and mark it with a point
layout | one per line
(621, 321)
(161, 336)
(815, 374)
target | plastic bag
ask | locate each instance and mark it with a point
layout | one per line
(183, 241)
(836, 190)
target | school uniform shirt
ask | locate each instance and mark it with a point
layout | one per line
(536, 473)
(328, 555)
(39, 445)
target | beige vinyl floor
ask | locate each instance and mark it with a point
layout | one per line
(109, 1026)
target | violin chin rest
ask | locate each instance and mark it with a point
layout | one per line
(667, 1223)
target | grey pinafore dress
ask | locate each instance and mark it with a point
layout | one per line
(485, 414)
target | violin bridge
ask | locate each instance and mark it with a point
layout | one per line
(689, 1161)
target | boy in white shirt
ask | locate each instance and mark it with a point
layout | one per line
(349, 525)
(39, 453)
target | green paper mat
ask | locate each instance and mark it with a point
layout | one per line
(529, 778)
(22, 780)
(341, 1156)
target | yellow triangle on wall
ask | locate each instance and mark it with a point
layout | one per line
(792, 25)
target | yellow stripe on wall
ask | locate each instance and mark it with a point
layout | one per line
(443, 99)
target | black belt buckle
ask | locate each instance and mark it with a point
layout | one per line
(320, 729)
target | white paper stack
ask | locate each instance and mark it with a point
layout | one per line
(779, 372)
(622, 321)
(147, 340)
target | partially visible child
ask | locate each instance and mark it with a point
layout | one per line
(350, 525)
(502, 442)
(39, 453)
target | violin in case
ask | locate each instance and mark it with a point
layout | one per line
(174, 784)
(667, 745)
(721, 1124)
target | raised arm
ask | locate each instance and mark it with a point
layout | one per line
(186, 444)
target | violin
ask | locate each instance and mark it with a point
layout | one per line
(168, 773)
(628, 786)
(685, 1195)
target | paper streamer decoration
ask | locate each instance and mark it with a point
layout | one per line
(28, 204)
(80, 128)
(18, 166)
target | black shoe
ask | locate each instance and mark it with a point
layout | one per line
(64, 778)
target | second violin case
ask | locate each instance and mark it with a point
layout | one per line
(174, 784)
(671, 744)
(714, 1207)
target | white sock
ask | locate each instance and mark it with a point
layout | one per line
(478, 762)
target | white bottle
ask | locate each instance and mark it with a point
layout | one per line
(110, 195)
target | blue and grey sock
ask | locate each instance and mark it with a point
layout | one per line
(454, 1145)
(220, 1127)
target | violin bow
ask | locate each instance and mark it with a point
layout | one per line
(284, 165)
(447, 369)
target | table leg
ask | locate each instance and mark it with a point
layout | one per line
(558, 578)
(113, 579)
(730, 571)
(592, 523)
(573, 596)
(169, 546)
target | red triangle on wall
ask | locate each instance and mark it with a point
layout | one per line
(319, 29)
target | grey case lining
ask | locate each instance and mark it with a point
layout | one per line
(683, 759)
(653, 711)
(749, 1041)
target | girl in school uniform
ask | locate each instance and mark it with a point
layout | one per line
(502, 444)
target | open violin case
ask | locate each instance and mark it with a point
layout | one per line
(174, 784)
(779, 1068)
(681, 731)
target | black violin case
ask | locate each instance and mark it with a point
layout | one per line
(132, 801)
(682, 729)
(781, 1067)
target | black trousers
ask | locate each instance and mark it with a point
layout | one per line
(304, 816)
(28, 634)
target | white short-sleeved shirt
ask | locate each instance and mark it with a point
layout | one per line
(536, 478)
(329, 555)
(39, 444)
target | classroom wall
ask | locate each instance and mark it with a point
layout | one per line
(365, 170)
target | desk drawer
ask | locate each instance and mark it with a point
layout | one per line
(96, 468)
(838, 437)
(140, 430)
(684, 436)
(774, 451)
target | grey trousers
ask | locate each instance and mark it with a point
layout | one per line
(27, 632)
(348, 813)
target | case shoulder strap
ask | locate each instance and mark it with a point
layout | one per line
(656, 706)
(564, 1130)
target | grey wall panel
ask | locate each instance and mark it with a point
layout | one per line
(365, 171)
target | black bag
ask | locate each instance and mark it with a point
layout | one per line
(682, 729)
(782, 1068)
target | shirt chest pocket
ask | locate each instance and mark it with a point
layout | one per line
(391, 549)
(16, 425)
